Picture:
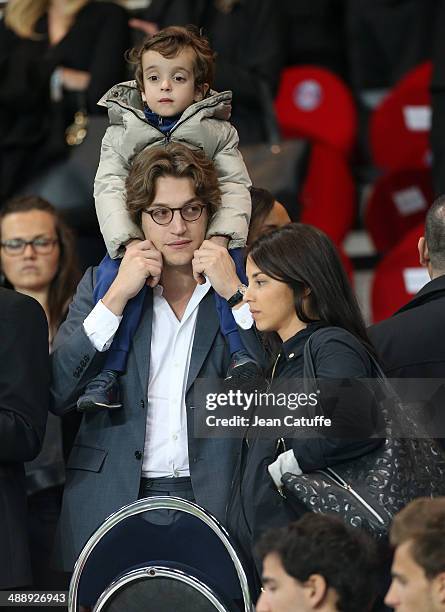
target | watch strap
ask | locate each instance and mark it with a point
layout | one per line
(237, 297)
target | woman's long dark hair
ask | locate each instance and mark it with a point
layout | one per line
(304, 258)
(64, 283)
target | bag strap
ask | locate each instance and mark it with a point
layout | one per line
(309, 367)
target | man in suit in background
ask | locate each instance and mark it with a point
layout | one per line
(24, 400)
(411, 343)
(148, 446)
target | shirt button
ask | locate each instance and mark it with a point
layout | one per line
(291, 355)
(138, 455)
(176, 473)
(142, 404)
(175, 436)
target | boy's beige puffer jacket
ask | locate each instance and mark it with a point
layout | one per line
(203, 125)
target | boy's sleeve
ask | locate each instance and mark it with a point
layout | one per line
(110, 195)
(233, 217)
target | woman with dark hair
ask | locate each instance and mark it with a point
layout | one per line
(297, 290)
(38, 258)
(297, 286)
(304, 259)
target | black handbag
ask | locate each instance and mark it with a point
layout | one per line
(368, 491)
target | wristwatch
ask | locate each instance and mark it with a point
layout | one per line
(238, 296)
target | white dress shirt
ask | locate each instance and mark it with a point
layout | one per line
(100, 326)
(166, 442)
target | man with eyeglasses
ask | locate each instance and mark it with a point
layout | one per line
(147, 447)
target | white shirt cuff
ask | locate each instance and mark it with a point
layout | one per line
(100, 326)
(243, 317)
(285, 462)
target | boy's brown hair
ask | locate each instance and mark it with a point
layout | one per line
(171, 41)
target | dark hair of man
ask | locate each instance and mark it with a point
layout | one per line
(64, 283)
(169, 42)
(174, 160)
(435, 233)
(422, 522)
(324, 545)
(303, 257)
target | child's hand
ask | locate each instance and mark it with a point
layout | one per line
(220, 241)
(133, 241)
(215, 262)
(141, 264)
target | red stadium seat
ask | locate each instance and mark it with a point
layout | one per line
(400, 125)
(398, 277)
(314, 103)
(398, 202)
(327, 198)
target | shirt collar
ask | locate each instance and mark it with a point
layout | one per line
(199, 289)
(196, 298)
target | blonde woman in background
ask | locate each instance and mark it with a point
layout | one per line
(56, 56)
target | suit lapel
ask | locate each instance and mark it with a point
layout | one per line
(142, 340)
(207, 326)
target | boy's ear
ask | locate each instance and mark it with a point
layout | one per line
(201, 92)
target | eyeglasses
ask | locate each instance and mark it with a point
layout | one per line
(16, 246)
(163, 215)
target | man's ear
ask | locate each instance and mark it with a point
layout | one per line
(316, 589)
(201, 92)
(424, 257)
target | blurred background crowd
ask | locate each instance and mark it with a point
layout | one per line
(348, 93)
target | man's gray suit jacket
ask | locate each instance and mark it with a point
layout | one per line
(104, 467)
